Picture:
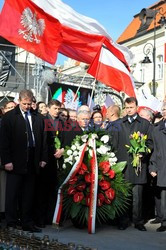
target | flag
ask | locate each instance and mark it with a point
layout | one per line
(146, 100)
(108, 69)
(90, 103)
(82, 35)
(108, 101)
(29, 27)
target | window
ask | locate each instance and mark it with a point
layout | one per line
(142, 73)
(160, 67)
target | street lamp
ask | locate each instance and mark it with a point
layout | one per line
(148, 49)
(151, 48)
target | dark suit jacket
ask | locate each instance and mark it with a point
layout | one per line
(51, 126)
(121, 138)
(14, 143)
(70, 131)
(158, 158)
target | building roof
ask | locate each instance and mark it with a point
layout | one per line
(144, 21)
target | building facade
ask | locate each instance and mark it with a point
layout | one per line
(145, 36)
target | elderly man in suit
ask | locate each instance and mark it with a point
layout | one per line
(73, 128)
(129, 124)
(23, 153)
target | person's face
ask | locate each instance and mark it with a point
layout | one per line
(54, 110)
(83, 120)
(33, 105)
(43, 108)
(63, 115)
(131, 108)
(164, 112)
(97, 118)
(25, 104)
(9, 106)
(73, 115)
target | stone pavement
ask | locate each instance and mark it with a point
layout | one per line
(110, 238)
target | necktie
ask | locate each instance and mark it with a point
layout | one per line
(131, 119)
(29, 131)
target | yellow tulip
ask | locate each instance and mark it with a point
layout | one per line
(145, 137)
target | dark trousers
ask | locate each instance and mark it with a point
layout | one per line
(137, 191)
(163, 206)
(19, 188)
(134, 211)
(20, 194)
(46, 193)
(157, 199)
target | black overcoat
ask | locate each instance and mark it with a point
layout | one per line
(121, 137)
(14, 140)
(158, 158)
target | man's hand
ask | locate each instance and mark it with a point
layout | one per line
(42, 164)
(153, 174)
(9, 166)
(59, 153)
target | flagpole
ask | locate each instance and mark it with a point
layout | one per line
(79, 87)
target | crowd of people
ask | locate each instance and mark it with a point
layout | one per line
(30, 162)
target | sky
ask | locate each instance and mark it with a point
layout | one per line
(114, 15)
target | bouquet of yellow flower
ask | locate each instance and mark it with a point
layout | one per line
(137, 148)
(57, 142)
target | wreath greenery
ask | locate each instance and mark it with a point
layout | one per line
(113, 190)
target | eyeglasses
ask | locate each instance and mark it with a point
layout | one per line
(97, 117)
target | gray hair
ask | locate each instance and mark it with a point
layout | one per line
(83, 112)
(26, 94)
(83, 108)
(149, 112)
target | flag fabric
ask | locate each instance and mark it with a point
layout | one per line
(90, 103)
(108, 101)
(26, 25)
(146, 100)
(82, 35)
(108, 69)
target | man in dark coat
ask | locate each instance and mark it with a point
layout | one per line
(131, 123)
(23, 152)
(47, 179)
(158, 164)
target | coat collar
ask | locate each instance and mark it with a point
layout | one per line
(125, 119)
(161, 125)
(18, 111)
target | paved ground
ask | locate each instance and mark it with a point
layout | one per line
(110, 238)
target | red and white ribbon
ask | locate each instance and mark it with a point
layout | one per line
(93, 191)
(73, 172)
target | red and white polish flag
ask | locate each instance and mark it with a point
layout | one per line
(82, 35)
(108, 69)
(26, 25)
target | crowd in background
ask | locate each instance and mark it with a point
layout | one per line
(30, 162)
